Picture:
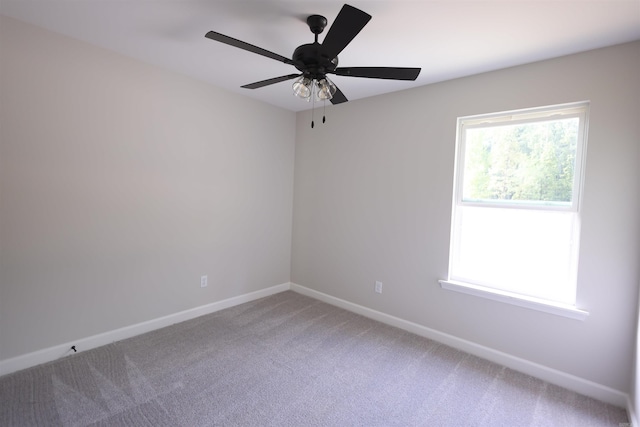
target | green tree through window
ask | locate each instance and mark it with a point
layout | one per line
(523, 162)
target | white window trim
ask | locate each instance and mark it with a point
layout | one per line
(572, 109)
(532, 303)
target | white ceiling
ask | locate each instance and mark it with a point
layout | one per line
(447, 39)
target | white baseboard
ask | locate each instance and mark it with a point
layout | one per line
(632, 413)
(28, 360)
(553, 376)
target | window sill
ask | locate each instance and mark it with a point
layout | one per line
(559, 309)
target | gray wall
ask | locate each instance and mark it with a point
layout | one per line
(635, 389)
(121, 184)
(372, 201)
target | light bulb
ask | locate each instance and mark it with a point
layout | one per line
(326, 89)
(302, 87)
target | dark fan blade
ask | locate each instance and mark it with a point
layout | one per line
(268, 82)
(346, 26)
(246, 46)
(338, 97)
(391, 73)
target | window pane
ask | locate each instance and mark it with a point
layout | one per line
(529, 252)
(525, 162)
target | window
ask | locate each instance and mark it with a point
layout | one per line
(516, 205)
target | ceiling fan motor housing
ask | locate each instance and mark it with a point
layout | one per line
(312, 61)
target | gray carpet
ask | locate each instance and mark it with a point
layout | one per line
(287, 360)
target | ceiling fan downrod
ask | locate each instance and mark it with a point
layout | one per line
(317, 24)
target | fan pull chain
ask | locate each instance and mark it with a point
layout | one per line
(324, 108)
(313, 107)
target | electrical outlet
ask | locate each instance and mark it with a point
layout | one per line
(203, 281)
(378, 287)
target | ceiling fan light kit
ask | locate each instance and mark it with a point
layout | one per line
(314, 60)
(306, 88)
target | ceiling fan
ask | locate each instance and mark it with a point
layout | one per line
(314, 61)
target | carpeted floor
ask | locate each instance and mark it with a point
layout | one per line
(287, 360)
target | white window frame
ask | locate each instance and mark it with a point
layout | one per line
(453, 283)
